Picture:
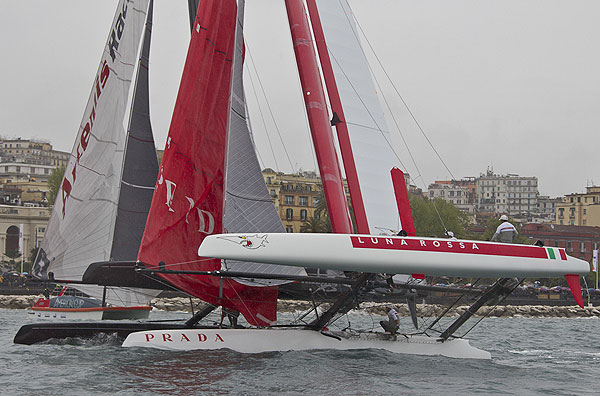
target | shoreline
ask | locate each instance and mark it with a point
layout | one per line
(182, 304)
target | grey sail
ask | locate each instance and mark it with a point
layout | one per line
(140, 165)
(248, 205)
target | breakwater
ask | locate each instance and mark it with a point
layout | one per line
(426, 310)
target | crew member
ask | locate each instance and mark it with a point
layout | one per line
(391, 325)
(232, 316)
(506, 232)
(389, 280)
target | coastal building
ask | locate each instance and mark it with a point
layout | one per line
(33, 152)
(578, 241)
(25, 166)
(295, 196)
(580, 209)
(509, 194)
(460, 193)
(546, 208)
(31, 221)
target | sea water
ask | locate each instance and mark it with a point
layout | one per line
(530, 356)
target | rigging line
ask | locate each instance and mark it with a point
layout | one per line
(405, 105)
(187, 262)
(403, 101)
(378, 128)
(269, 108)
(135, 290)
(380, 88)
(386, 138)
(409, 111)
(262, 117)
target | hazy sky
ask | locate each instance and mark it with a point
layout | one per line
(513, 84)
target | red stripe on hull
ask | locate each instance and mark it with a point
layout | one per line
(449, 246)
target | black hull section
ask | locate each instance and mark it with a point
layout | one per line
(40, 332)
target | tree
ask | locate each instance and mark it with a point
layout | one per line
(54, 181)
(13, 255)
(315, 224)
(430, 217)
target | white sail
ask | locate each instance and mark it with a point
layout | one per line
(369, 135)
(81, 227)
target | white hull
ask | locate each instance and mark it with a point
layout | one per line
(270, 340)
(92, 314)
(395, 255)
(67, 315)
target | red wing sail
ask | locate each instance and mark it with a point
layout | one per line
(188, 199)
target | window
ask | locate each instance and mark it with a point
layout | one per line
(303, 214)
(289, 199)
(289, 229)
(556, 243)
(289, 214)
(303, 201)
(569, 247)
(582, 247)
(273, 193)
(584, 211)
(315, 201)
(269, 180)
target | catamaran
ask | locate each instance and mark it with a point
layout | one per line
(202, 235)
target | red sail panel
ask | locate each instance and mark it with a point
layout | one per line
(188, 199)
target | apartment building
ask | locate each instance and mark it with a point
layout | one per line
(580, 209)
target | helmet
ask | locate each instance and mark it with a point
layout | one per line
(504, 218)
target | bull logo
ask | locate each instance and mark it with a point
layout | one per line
(248, 241)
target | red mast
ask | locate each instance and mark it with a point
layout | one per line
(340, 121)
(318, 118)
